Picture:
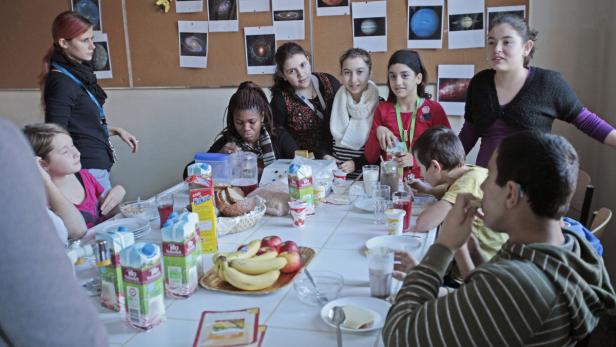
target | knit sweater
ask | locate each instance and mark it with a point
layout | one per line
(526, 295)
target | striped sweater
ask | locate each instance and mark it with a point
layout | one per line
(527, 295)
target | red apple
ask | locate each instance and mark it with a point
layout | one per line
(266, 249)
(294, 262)
(271, 241)
(288, 246)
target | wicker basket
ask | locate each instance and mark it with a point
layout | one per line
(232, 225)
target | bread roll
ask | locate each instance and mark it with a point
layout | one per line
(239, 208)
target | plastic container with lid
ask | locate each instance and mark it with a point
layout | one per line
(220, 163)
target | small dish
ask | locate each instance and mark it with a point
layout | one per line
(377, 307)
(141, 209)
(364, 204)
(329, 283)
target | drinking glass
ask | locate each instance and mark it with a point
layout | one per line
(403, 201)
(381, 196)
(371, 176)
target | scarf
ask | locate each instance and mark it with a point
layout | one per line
(264, 148)
(351, 122)
(84, 72)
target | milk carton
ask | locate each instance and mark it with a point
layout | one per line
(201, 193)
(112, 285)
(180, 255)
(300, 185)
(143, 285)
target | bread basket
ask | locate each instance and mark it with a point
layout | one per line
(232, 225)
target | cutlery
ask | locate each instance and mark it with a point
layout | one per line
(336, 316)
(322, 299)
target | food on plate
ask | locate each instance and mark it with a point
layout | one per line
(231, 202)
(244, 281)
(294, 262)
(257, 266)
(288, 246)
(271, 241)
(357, 317)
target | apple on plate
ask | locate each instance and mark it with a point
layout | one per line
(271, 241)
(266, 249)
(288, 246)
(294, 262)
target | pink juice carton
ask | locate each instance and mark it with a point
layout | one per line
(112, 285)
(300, 185)
(180, 255)
(143, 285)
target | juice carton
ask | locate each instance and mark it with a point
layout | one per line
(112, 285)
(180, 256)
(143, 285)
(193, 219)
(300, 185)
(201, 193)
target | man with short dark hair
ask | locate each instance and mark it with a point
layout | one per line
(546, 286)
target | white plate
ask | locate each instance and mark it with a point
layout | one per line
(377, 306)
(365, 204)
(407, 242)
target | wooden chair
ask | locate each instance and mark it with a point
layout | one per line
(579, 208)
(599, 220)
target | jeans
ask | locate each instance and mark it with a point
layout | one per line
(102, 176)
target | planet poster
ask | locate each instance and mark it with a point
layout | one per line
(333, 8)
(289, 19)
(223, 15)
(370, 25)
(466, 22)
(493, 12)
(425, 24)
(260, 45)
(193, 43)
(288, 15)
(101, 60)
(91, 10)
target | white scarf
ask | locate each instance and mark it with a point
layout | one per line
(351, 122)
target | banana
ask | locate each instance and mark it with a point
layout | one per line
(246, 251)
(266, 255)
(248, 282)
(255, 266)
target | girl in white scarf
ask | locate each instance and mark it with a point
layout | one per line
(352, 110)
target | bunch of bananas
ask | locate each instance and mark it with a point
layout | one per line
(246, 270)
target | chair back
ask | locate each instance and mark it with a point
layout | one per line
(579, 208)
(600, 218)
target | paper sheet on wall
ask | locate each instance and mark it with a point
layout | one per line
(466, 23)
(188, 6)
(260, 46)
(254, 6)
(91, 9)
(193, 39)
(333, 7)
(288, 17)
(223, 15)
(500, 10)
(370, 25)
(101, 60)
(425, 23)
(452, 85)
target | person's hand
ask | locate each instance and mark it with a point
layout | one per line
(385, 136)
(43, 172)
(458, 224)
(404, 160)
(419, 186)
(329, 157)
(112, 199)
(129, 138)
(348, 166)
(229, 148)
(403, 262)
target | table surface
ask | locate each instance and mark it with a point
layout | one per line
(337, 233)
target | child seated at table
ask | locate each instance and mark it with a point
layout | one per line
(440, 156)
(61, 160)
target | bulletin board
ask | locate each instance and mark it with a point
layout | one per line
(333, 35)
(152, 40)
(26, 37)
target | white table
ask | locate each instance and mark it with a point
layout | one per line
(336, 233)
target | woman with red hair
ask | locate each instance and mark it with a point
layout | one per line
(73, 99)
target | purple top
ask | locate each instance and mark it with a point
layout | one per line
(588, 122)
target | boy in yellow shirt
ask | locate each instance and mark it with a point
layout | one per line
(440, 156)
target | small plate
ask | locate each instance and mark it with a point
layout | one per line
(376, 306)
(137, 226)
(364, 204)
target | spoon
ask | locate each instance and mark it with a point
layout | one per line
(336, 316)
(322, 299)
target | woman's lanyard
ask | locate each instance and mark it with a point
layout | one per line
(101, 111)
(404, 135)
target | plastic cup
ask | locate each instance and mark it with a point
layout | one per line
(371, 177)
(164, 203)
(298, 210)
(380, 195)
(339, 175)
(404, 201)
(380, 271)
(395, 221)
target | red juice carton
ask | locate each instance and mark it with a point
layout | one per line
(112, 285)
(300, 185)
(143, 285)
(179, 245)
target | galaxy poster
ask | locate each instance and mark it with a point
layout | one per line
(223, 15)
(193, 43)
(453, 81)
(260, 44)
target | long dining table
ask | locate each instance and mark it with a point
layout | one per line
(337, 233)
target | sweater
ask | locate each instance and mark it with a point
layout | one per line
(283, 144)
(68, 105)
(308, 130)
(534, 294)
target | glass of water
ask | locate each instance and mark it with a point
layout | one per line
(381, 196)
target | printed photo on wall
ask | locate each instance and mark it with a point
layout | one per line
(101, 60)
(188, 6)
(452, 85)
(425, 24)
(466, 23)
(519, 11)
(223, 15)
(333, 8)
(91, 9)
(254, 6)
(260, 44)
(193, 40)
(289, 19)
(370, 25)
